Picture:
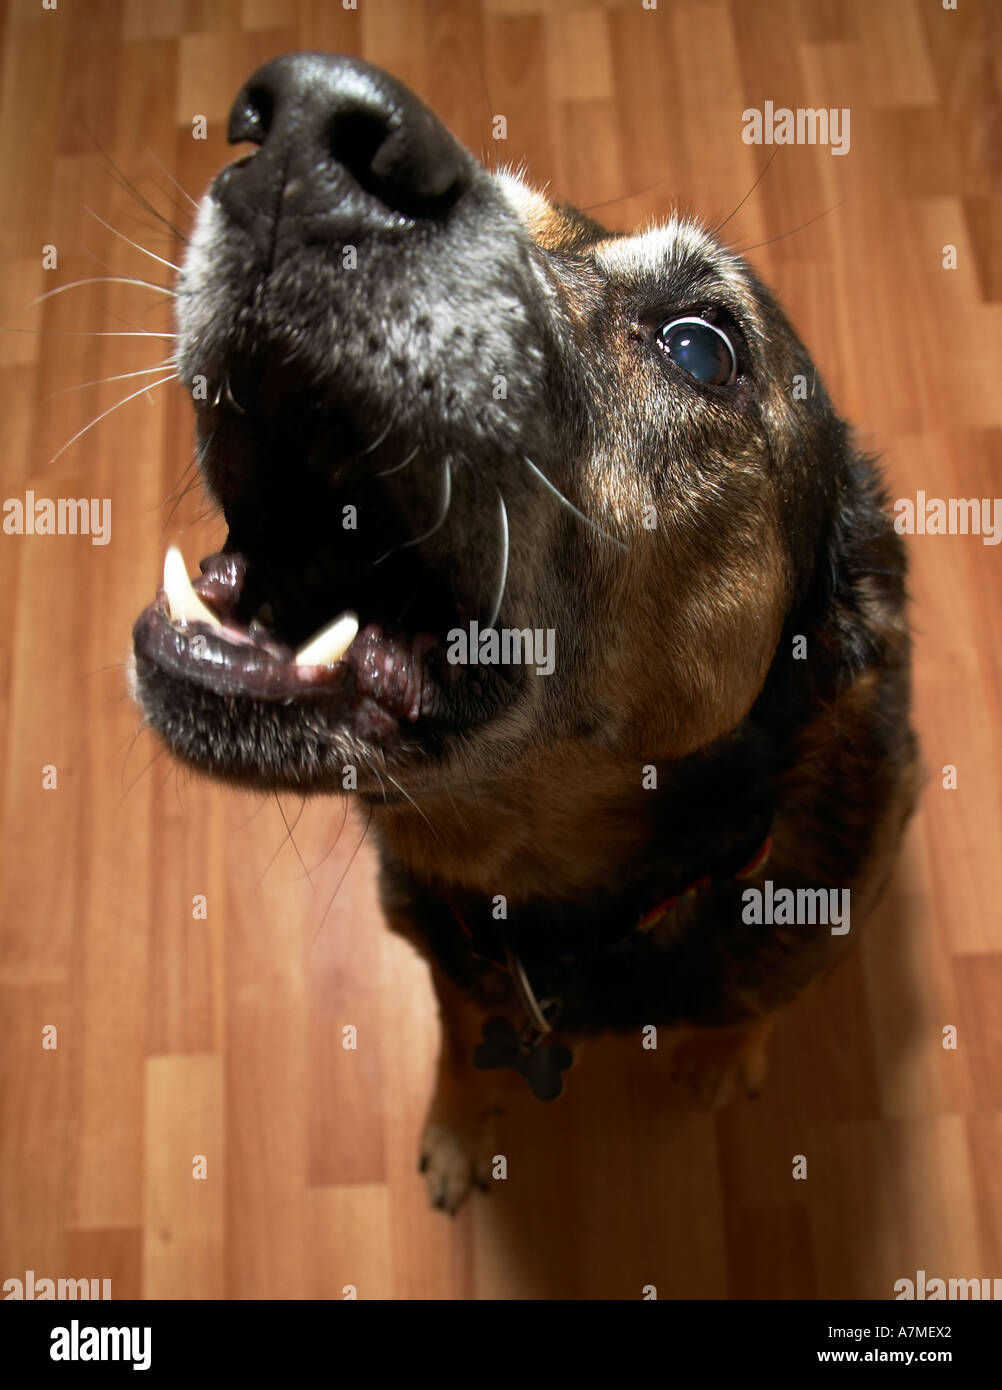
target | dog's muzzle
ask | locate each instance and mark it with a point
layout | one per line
(352, 294)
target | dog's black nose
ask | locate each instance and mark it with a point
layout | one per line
(340, 139)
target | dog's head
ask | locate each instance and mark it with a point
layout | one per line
(429, 398)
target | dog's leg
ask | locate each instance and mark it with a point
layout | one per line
(716, 1063)
(458, 1140)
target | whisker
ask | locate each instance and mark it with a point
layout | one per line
(129, 323)
(504, 563)
(105, 265)
(88, 333)
(193, 486)
(119, 376)
(290, 828)
(337, 837)
(715, 231)
(184, 483)
(115, 232)
(141, 773)
(130, 187)
(103, 670)
(156, 795)
(173, 202)
(485, 155)
(156, 158)
(743, 250)
(416, 540)
(177, 797)
(113, 269)
(403, 792)
(145, 222)
(150, 385)
(570, 505)
(342, 878)
(228, 391)
(117, 752)
(385, 472)
(623, 197)
(281, 844)
(103, 280)
(382, 787)
(372, 447)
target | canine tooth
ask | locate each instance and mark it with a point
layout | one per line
(183, 603)
(330, 644)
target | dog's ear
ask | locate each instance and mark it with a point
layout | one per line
(863, 616)
(848, 614)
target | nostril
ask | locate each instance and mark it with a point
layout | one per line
(250, 118)
(354, 139)
(379, 149)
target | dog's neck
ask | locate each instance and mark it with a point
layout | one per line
(548, 933)
(524, 837)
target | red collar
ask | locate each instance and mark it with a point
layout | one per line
(759, 861)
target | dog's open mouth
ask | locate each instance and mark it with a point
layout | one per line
(320, 632)
(268, 632)
(198, 631)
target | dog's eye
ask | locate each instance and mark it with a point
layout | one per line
(701, 349)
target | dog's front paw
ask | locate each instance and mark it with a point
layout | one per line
(452, 1163)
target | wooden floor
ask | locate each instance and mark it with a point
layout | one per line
(180, 1036)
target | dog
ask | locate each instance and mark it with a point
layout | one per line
(546, 545)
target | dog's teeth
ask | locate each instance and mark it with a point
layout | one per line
(329, 646)
(183, 603)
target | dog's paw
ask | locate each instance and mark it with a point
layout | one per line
(715, 1066)
(452, 1163)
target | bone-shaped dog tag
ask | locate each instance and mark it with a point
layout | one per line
(540, 1063)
